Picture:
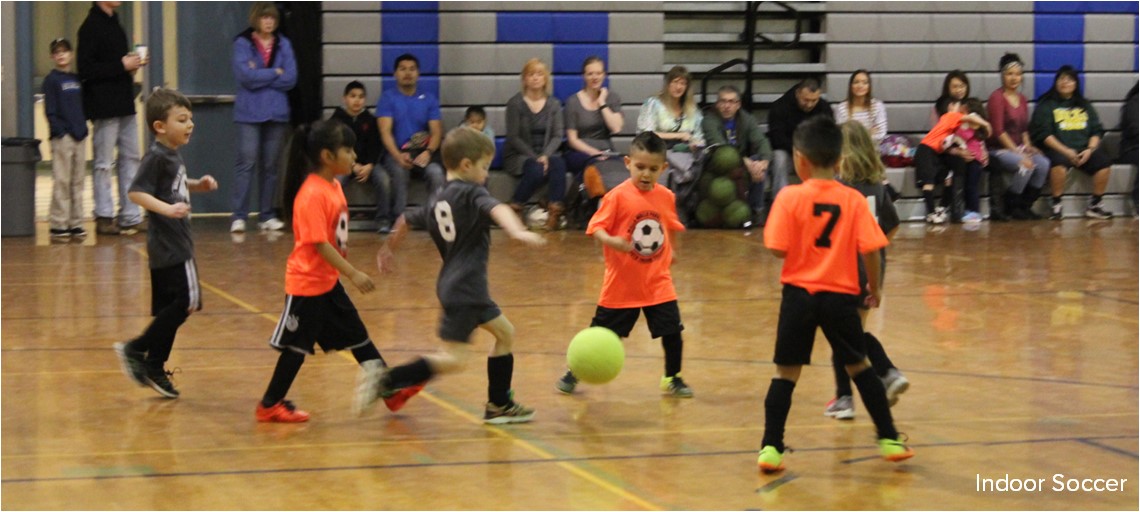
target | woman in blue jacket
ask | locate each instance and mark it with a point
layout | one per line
(265, 70)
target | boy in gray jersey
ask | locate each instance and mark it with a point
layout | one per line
(458, 216)
(162, 187)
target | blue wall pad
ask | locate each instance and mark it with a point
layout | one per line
(568, 57)
(566, 85)
(1050, 57)
(524, 27)
(1059, 28)
(426, 84)
(428, 55)
(582, 27)
(409, 27)
(1059, 6)
(409, 6)
(1112, 7)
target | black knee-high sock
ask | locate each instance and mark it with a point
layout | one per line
(367, 353)
(409, 374)
(928, 200)
(776, 407)
(673, 345)
(288, 364)
(877, 354)
(875, 400)
(842, 380)
(499, 372)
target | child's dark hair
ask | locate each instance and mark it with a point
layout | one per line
(975, 106)
(355, 84)
(60, 44)
(475, 110)
(464, 143)
(943, 104)
(304, 154)
(820, 140)
(159, 103)
(648, 142)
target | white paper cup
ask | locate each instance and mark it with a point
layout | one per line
(143, 51)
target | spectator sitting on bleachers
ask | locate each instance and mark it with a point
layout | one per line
(411, 131)
(476, 119)
(937, 161)
(672, 114)
(738, 128)
(955, 87)
(355, 115)
(1067, 127)
(593, 116)
(1128, 142)
(972, 136)
(1012, 151)
(861, 106)
(534, 135)
(786, 113)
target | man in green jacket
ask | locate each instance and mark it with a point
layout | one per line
(738, 128)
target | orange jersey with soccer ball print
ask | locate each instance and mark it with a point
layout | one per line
(640, 277)
(823, 226)
(320, 214)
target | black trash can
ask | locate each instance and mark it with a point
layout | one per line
(18, 186)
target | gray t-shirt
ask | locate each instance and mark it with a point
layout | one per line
(163, 175)
(458, 216)
(885, 214)
(590, 124)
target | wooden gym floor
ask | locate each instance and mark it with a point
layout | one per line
(1020, 341)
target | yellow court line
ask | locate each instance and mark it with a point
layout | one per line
(529, 446)
(71, 284)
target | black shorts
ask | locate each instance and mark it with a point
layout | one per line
(663, 319)
(178, 283)
(458, 322)
(801, 313)
(328, 319)
(1097, 161)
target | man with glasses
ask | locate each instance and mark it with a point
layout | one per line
(738, 128)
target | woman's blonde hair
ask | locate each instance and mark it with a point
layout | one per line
(688, 107)
(260, 9)
(530, 66)
(861, 163)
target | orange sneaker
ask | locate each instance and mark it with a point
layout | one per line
(281, 412)
(397, 400)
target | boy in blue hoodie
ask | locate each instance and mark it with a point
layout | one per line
(63, 104)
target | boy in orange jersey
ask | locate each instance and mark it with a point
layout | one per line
(820, 228)
(635, 222)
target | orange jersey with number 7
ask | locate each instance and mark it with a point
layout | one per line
(823, 226)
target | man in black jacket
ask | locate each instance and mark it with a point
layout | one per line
(795, 106)
(106, 67)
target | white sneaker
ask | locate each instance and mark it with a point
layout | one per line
(273, 224)
(237, 226)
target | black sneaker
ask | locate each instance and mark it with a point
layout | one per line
(159, 379)
(1095, 211)
(131, 363)
(567, 383)
(60, 234)
(78, 232)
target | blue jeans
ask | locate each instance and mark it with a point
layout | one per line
(398, 179)
(1010, 161)
(379, 182)
(258, 147)
(533, 178)
(121, 132)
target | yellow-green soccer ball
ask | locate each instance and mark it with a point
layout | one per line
(596, 355)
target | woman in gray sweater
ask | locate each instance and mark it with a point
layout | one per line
(534, 135)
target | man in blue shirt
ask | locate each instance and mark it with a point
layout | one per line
(411, 131)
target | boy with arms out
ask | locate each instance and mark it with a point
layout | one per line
(459, 217)
(635, 222)
(820, 228)
(162, 187)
